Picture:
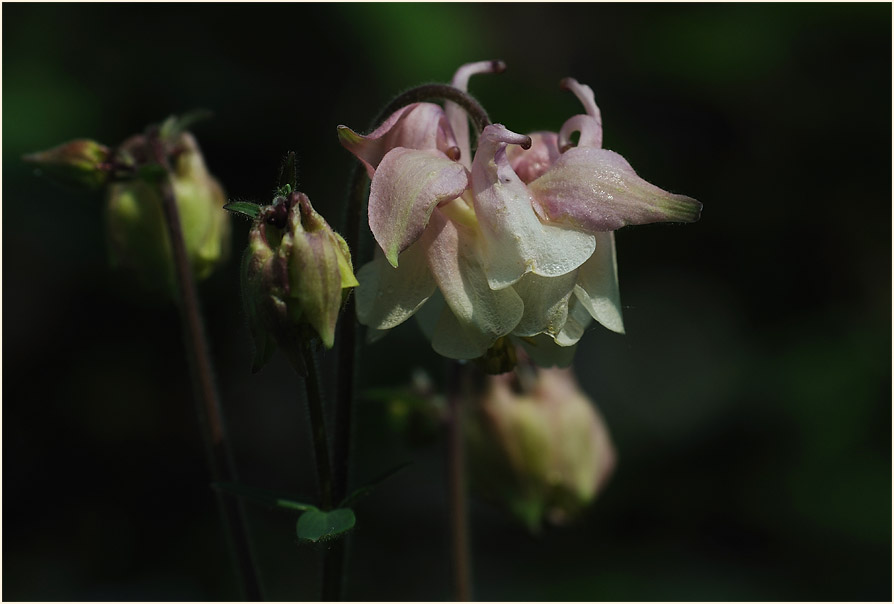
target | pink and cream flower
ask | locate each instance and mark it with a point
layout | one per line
(515, 240)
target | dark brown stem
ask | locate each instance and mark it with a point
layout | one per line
(318, 427)
(457, 389)
(445, 92)
(333, 558)
(208, 404)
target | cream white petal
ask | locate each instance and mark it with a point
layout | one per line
(597, 284)
(455, 263)
(546, 303)
(388, 296)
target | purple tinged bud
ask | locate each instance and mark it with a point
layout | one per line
(80, 162)
(296, 274)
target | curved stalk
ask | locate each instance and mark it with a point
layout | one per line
(208, 407)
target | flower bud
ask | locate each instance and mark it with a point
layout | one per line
(296, 274)
(79, 162)
(137, 233)
(539, 445)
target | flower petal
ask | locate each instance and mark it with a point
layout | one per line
(578, 321)
(597, 284)
(531, 164)
(515, 241)
(388, 296)
(416, 126)
(589, 125)
(546, 303)
(482, 314)
(590, 133)
(456, 115)
(406, 187)
(585, 95)
(546, 353)
(597, 190)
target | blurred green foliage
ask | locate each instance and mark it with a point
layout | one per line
(750, 401)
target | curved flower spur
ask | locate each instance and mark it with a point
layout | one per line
(513, 241)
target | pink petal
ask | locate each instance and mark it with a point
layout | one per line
(531, 164)
(589, 126)
(590, 133)
(406, 187)
(597, 190)
(585, 95)
(515, 241)
(416, 126)
(456, 115)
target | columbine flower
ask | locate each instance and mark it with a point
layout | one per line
(506, 242)
(539, 445)
(138, 238)
(295, 275)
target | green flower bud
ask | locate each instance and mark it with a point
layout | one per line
(137, 233)
(79, 162)
(539, 446)
(296, 273)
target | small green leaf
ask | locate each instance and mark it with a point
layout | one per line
(317, 525)
(283, 191)
(268, 498)
(370, 486)
(244, 208)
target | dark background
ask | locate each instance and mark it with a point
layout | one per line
(750, 402)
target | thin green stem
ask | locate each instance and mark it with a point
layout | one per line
(457, 484)
(208, 406)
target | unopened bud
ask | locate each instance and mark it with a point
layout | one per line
(297, 272)
(540, 445)
(80, 162)
(138, 235)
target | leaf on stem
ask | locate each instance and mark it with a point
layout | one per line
(317, 525)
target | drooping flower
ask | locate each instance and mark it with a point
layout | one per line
(514, 244)
(538, 445)
(295, 273)
(138, 237)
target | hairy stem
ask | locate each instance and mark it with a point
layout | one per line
(443, 92)
(457, 485)
(208, 407)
